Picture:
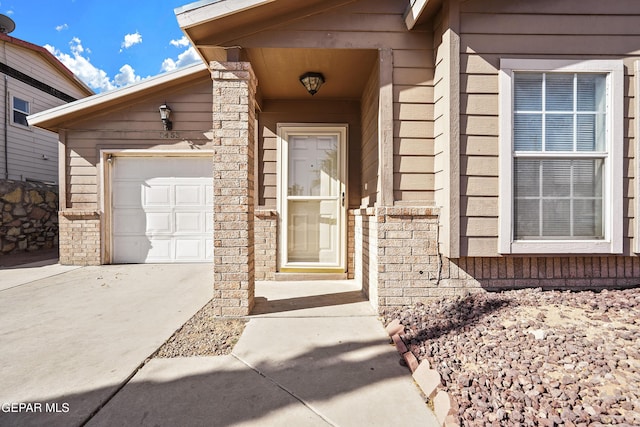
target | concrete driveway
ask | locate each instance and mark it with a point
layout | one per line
(68, 341)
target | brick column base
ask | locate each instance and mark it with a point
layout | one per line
(79, 238)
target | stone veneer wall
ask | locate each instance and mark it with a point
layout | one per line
(80, 239)
(397, 256)
(29, 216)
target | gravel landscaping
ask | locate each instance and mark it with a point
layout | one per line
(203, 335)
(532, 357)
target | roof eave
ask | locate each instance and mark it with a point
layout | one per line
(201, 12)
(53, 118)
(51, 59)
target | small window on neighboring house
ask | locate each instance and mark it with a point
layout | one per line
(20, 111)
(561, 154)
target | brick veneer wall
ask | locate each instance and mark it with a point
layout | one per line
(80, 239)
(266, 241)
(234, 87)
(397, 256)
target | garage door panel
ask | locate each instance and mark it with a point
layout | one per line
(189, 249)
(209, 195)
(208, 223)
(159, 250)
(159, 195)
(189, 222)
(189, 195)
(126, 194)
(162, 209)
(159, 222)
(128, 221)
(130, 249)
(209, 248)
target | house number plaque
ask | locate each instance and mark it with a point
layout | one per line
(169, 135)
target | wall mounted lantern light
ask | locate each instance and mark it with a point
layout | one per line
(312, 81)
(165, 113)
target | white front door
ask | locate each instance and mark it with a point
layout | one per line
(312, 197)
(162, 209)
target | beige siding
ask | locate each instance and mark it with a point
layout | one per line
(494, 29)
(369, 152)
(32, 152)
(137, 126)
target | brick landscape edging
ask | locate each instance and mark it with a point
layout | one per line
(429, 380)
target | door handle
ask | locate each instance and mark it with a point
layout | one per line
(343, 199)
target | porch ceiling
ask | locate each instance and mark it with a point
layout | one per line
(278, 71)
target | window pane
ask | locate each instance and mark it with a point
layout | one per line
(20, 118)
(527, 217)
(527, 182)
(528, 92)
(556, 180)
(587, 221)
(556, 218)
(559, 93)
(559, 132)
(527, 132)
(587, 177)
(21, 105)
(586, 132)
(591, 90)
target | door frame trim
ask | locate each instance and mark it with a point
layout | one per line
(283, 130)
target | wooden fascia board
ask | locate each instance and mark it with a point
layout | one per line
(203, 12)
(414, 11)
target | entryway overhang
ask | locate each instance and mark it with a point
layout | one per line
(225, 31)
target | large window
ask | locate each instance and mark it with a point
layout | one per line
(20, 111)
(561, 156)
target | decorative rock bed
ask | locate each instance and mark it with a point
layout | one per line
(532, 357)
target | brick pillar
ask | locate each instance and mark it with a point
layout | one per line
(234, 88)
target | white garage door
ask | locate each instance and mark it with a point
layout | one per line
(162, 209)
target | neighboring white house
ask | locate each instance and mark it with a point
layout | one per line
(33, 80)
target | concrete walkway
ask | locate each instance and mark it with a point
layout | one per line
(314, 354)
(72, 341)
(71, 337)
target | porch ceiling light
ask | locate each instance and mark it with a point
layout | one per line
(312, 81)
(165, 113)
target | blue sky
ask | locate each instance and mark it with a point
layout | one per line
(107, 44)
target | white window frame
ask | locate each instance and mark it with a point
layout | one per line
(613, 186)
(14, 109)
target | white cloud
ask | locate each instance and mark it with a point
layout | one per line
(131, 39)
(126, 76)
(62, 27)
(82, 67)
(187, 57)
(95, 78)
(181, 42)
